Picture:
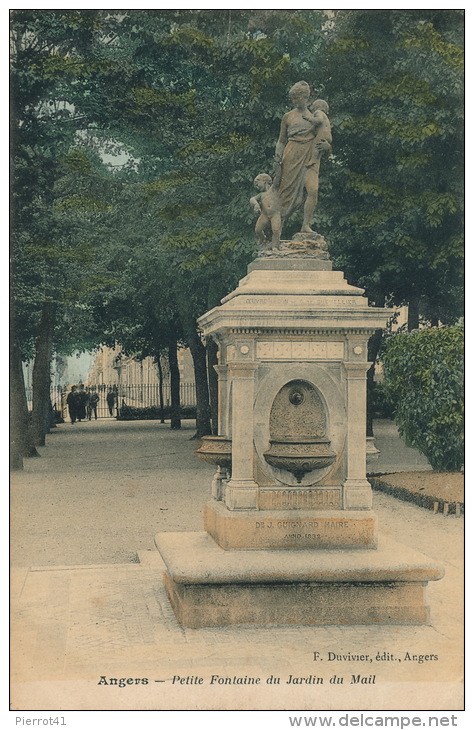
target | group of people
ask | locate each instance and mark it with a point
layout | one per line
(82, 403)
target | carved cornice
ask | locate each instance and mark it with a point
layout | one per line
(300, 332)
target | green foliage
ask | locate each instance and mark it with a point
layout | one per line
(81, 203)
(56, 72)
(192, 99)
(405, 131)
(381, 403)
(188, 37)
(76, 160)
(152, 413)
(423, 378)
(405, 85)
(202, 122)
(344, 43)
(150, 101)
(268, 66)
(167, 182)
(395, 218)
(233, 143)
(425, 36)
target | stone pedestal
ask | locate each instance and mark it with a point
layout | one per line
(208, 586)
(290, 532)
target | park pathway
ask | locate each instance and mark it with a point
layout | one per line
(88, 600)
(102, 489)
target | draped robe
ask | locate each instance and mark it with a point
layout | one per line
(298, 155)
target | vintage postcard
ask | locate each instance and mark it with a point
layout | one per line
(236, 355)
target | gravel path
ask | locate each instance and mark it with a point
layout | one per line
(102, 490)
(99, 494)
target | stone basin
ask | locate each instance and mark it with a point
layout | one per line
(300, 456)
(216, 450)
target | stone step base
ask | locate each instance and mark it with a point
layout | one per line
(209, 586)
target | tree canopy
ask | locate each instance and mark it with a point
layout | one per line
(136, 136)
(394, 80)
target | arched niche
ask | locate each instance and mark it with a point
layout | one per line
(329, 383)
(298, 431)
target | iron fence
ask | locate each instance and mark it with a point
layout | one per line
(135, 395)
(57, 394)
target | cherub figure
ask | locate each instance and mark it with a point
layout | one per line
(266, 204)
(323, 140)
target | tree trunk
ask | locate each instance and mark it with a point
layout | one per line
(373, 347)
(198, 352)
(52, 415)
(42, 376)
(203, 410)
(372, 351)
(21, 441)
(413, 314)
(18, 421)
(16, 435)
(175, 382)
(160, 387)
(211, 348)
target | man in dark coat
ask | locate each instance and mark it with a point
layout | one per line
(92, 407)
(71, 401)
(111, 400)
(81, 399)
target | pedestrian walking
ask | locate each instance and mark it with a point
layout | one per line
(71, 401)
(111, 400)
(82, 399)
(92, 406)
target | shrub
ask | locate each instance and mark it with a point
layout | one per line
(381, 403)
(423, 372)
(152, 413)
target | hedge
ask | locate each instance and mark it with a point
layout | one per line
(424, 378)
(152, 413)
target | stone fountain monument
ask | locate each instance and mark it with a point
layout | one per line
(290, 534)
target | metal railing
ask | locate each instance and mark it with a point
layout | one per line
(135, 395)
(57, 393)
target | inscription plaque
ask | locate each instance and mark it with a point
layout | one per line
(307, 350)
(287, 528)
(294, 301)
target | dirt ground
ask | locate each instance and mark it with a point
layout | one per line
(102, 489)
(424, 487)
(89, 600)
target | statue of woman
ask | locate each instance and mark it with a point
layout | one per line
(304, 137)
